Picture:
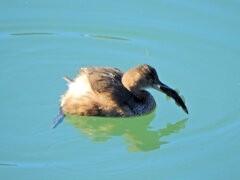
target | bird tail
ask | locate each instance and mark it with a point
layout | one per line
(67, 79)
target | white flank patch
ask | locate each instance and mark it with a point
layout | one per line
(79, 87)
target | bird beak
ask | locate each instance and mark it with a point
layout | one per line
(171, 93)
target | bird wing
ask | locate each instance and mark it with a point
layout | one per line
(102, 79)
(105, 80)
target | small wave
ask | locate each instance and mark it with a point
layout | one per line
(7, 165)
(31, 34)
(105, 37)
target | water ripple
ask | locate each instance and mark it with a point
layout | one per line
(31, 34)
(105, 37)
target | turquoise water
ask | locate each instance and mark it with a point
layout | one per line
(194, 46)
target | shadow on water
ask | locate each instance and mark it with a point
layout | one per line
(136, 130)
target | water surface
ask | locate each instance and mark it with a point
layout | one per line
(194, 46)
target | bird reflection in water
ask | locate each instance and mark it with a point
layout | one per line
(136, 130)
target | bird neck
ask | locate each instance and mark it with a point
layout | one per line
(134, 89)
(140, 95)
(143, 103)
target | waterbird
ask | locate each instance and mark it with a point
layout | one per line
(106, 91)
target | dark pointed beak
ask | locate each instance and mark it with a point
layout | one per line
(171, 93)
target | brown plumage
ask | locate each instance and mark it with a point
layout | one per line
(104, 91)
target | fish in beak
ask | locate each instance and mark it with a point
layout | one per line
(171, 93)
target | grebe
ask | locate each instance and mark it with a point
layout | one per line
(104, 91)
